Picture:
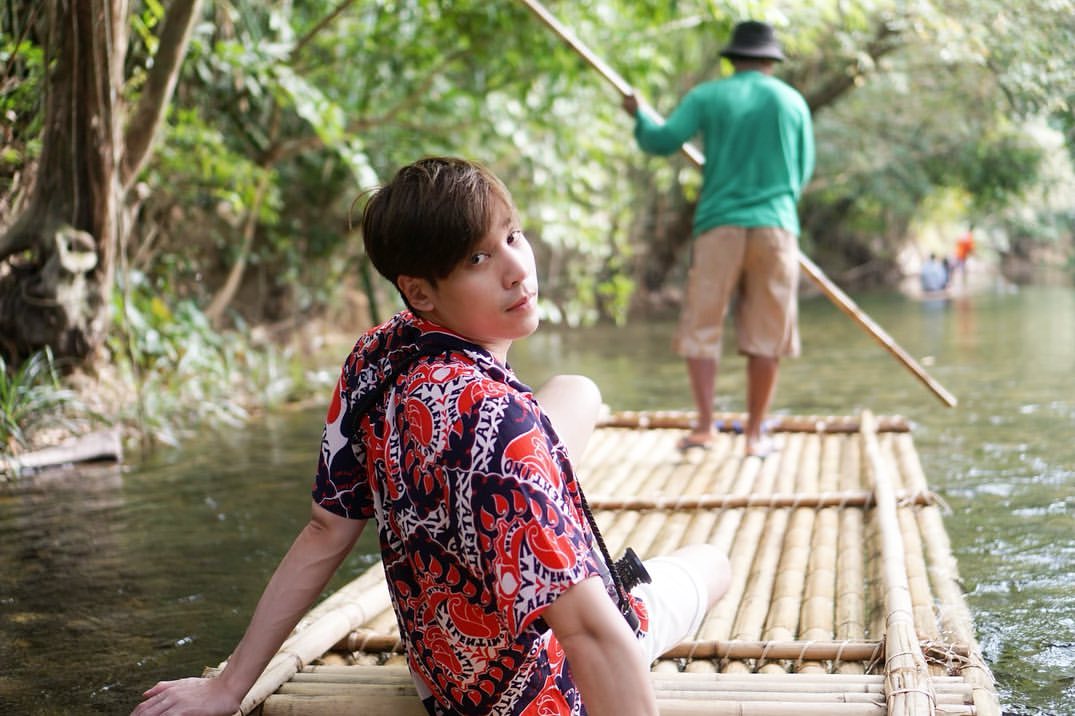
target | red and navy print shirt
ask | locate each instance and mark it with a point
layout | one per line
(477, 512)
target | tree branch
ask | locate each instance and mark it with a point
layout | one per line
(321, 25)
(885, 40)
(146, 119)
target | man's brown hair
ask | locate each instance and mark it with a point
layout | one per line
(430, 216)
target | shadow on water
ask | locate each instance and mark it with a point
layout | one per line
(111, 579)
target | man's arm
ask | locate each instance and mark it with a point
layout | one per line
(604, 656)
(667, 137)
(304, 571)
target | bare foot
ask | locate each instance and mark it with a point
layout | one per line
(703, 441)
(762, 447)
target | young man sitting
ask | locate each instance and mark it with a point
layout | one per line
(504, 603)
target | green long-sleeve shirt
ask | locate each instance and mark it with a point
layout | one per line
(758, 141)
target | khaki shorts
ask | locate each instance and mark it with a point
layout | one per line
(676, 603)
(758, 268)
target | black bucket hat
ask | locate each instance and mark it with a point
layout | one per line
(754, 39)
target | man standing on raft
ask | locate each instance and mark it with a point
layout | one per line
(759, 154)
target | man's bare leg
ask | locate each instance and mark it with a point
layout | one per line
(703, 377)
(761, 384)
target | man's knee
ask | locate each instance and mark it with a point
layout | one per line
(579, 390)
(719, 577)
(711, 564)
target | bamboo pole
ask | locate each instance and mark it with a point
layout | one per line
(914, 560)
(680, 681)
(616, 528)
(771, 527)
(850, 609)
(385, 621)
(389, 690)
(817, 617)
(608, 462)
(831, 290)
(756, 599)
(674, 526)
(817, 500)
(644, 538)
(743, 542)
(323, 626)
(392, 704)
(684, 420)
(746, 696)
(875, 591)
(800, 650)
(953, 613)
(955, 618)
(908, 688)
(783, 619)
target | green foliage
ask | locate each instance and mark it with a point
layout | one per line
(286, 112)
(998, 170)
(20, 92)
(323, 100)
(144, 22)
(31, 396)
(21, 109)
(198, 165)
(185, 373)
(205, 190)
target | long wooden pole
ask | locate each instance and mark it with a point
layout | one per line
(831, 290)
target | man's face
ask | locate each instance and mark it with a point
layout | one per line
(490, 298)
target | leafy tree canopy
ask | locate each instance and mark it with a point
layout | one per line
(286, 112)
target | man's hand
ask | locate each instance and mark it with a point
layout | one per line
(295, 585)
(188, 697)
(630, 104)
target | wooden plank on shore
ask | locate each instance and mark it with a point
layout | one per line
(104, 445)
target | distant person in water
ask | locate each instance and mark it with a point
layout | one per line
(964, 248)
(758, 140)
(504, 598)
(933, 276)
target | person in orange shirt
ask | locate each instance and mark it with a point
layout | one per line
(964, 248)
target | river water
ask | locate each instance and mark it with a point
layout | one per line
(112, 578)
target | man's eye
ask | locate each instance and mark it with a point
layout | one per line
(478, 258)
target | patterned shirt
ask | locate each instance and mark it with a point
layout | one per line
(477, 511)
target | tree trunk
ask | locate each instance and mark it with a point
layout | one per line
(60, 251)
(57, 261)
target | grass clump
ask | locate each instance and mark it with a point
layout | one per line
(33, 398)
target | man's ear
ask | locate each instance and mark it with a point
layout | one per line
(417, 291)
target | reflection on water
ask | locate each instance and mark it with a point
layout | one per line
(110, 579)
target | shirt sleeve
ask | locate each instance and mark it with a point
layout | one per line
(681, 125)
(341, 485)
(806, 148)
(534, 543)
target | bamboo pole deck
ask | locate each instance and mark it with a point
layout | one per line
(845, 596)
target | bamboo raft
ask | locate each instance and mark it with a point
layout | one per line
(845, 596)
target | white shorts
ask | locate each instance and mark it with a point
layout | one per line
(676, 602)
